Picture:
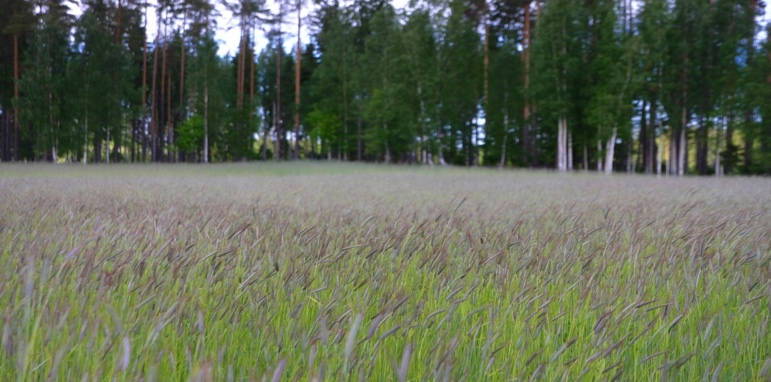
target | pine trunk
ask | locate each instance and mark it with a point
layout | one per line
(154, 103)
(681, 166)
(241, 81)
(161, 111)
(387, 149)
(169, 121)
(6, 123)
(503, 144)
(85, 134)
(298, 61)
(252, 64)
(681, 153)
(651, 138)
(181, 104)
(526, 111)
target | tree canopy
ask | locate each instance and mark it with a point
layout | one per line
(666, 86)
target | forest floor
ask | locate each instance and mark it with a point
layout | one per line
(361, 272)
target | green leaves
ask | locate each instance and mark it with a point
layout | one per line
(326, 126)
(190, 134)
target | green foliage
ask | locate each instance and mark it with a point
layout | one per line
(190, 134)
(460, 85)
(504, 117)
(326, 126)
(209, 88)
(42, 107)
(334, 82)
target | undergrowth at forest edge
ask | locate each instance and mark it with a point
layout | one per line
(236, 272)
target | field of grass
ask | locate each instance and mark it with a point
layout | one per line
(351, 272)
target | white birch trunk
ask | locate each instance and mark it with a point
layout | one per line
(559, 144)
(503, 155)
(599, 160)
(609, 149)
(718, 171)
(658, 160)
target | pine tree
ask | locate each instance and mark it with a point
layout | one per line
(652, 24)
(557, 55)
(41, 86)
(460, 86)
(18, 22)
(333, 86)
(423, 67)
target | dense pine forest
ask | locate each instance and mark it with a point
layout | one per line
(657, 86)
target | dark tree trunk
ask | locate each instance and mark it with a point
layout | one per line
(169, 120)
(161, 110)
(154, 122)
(16, 96)
(644, 136)
(526, 112)
(97, 149)
(6, 120)
(701, 147)
(181, 105)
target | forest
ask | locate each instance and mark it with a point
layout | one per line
(656, 87)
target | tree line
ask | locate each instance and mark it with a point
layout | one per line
(660, 86)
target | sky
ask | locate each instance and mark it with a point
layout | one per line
(228, 34)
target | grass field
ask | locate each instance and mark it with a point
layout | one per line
(352, 272)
